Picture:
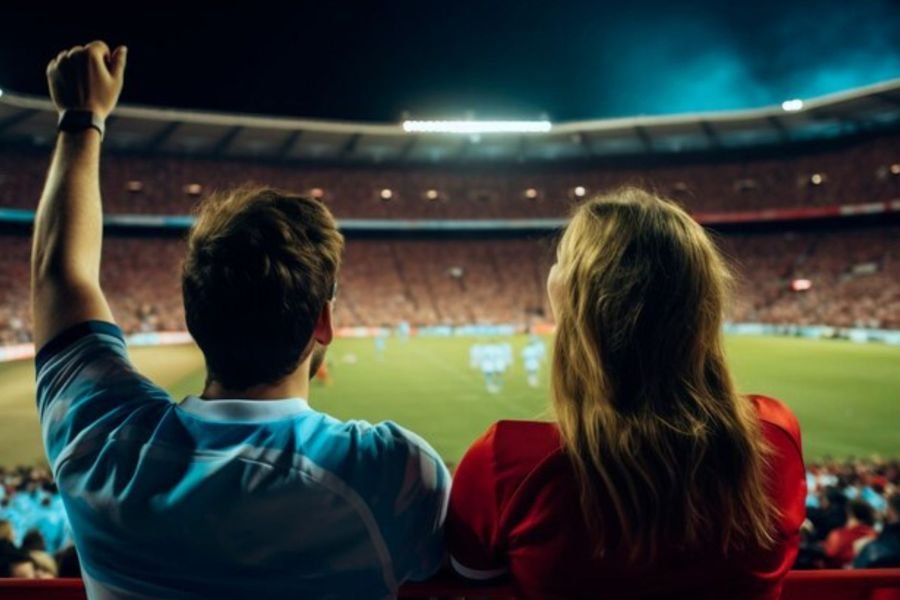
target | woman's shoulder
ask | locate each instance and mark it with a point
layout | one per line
(510, 446)
(509, 454)
(523, 439)
(777, 417)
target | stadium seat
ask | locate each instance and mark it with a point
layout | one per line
(875, 584)
(42, 589)
(868, 584)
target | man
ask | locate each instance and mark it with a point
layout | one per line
(14, 562)
(840, 545)
(243, 490)
(884, 552)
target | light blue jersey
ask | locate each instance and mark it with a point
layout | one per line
(533, 354)
(229, 498)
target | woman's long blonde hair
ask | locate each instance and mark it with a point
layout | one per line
(645, 403)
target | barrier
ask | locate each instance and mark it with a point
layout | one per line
(868, 584)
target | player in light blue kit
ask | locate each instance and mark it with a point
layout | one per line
(381, 343)
(490, 361)
(532, 356)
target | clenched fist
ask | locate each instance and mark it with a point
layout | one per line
(87, 78)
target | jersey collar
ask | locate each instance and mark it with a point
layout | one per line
(244, 410)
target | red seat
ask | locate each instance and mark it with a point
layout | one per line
(868, 584)
(40, 589)
(875, 584)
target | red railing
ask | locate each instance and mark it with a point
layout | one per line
(875, 584)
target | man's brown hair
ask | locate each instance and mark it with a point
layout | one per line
(260, 267)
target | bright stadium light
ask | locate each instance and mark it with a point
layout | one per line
(792, 105)
(431, 194)
(1, 92)
(579, 191)
(386, 194)
(475, 127)
(531, 193)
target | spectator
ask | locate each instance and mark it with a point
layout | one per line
(657, 477)
(244, 490)
(14, 562)
(7, 533)
(44, 565)
(884, 551)
(841, 544)
(832, 514)
(33, 540)
(68, 563)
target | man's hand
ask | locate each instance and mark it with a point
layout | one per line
(87, 78)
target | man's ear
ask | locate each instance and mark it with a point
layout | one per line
(324, 329)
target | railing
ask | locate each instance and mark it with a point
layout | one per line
(874, 584)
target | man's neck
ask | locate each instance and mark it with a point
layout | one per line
(295, 385)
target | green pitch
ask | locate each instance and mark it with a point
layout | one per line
(847, 396)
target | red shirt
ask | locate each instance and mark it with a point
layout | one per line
(840, 544)
(514, 508)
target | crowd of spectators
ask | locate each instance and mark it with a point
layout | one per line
(853, 520)
(859, 172)
(35, 540)
(853, 515)
(854, 278)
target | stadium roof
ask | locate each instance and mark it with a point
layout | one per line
(30, 121)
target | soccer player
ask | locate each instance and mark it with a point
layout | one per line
(532, 356)
(490, 361)
(243, 490)
(475, 356)
(380, 343)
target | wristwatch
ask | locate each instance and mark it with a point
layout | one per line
(73, 120)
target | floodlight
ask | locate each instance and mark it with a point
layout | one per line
(579, 191)
(792, 105)
(476, 127)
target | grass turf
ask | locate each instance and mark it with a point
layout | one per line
(847, 396)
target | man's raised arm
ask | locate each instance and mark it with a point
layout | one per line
(68, 228)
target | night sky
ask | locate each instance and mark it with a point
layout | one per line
(563, 60)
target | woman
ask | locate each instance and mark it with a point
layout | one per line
(657, 478)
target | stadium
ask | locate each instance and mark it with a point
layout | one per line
(451, 228)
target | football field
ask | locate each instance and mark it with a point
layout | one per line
(847, 396)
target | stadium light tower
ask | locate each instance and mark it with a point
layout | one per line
(792, 105)
(476, 127)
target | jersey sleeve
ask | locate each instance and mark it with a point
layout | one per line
(86, 386)
(415, 509)
(785, 482)
(473, 517)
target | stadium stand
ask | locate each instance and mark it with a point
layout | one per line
(856, 171)
(855, 277)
